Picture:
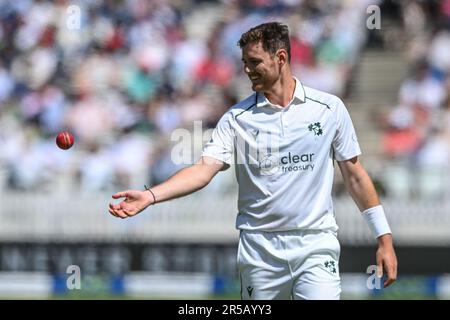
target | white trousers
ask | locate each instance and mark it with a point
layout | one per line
(297, 264)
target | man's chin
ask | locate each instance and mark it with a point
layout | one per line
(257, 87)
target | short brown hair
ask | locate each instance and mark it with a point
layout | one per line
(273, 36)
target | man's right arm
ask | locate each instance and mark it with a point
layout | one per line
(184, 182)
(188, 180)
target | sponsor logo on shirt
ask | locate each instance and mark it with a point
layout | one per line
(271, 163)
(297, 162)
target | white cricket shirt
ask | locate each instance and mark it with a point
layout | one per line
(283, 158)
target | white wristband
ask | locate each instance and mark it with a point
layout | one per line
(376, 220)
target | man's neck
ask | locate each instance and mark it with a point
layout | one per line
(282, 92)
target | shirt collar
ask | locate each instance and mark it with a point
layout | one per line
(299, 96)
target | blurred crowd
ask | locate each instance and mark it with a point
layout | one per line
(417, 130)
(123, 75)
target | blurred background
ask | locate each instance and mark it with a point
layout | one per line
(126, 76)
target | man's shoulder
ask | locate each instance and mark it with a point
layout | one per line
(326, 99)
(242, 106)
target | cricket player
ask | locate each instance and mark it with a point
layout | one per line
(283, 141)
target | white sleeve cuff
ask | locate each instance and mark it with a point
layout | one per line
(376, 219)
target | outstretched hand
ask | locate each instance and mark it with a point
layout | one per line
(135, 201)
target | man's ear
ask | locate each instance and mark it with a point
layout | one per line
(282, 57)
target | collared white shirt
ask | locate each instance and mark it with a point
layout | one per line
(283, 158)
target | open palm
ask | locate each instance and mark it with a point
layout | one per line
(135, 201)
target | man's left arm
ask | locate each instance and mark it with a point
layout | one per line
(363, 192)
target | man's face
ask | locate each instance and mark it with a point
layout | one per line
(261, 68)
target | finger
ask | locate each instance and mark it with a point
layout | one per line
(388, 282)
(121, 214)
(113, 213)
(391, 275)
(120, 194)
(380, 268)
(118, 212)
(114, 206)
(127, 212)
(392, 269)
(126, 208)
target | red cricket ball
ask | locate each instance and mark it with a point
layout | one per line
(64, 140)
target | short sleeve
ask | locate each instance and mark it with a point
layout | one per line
(221, 144)
(345, 142)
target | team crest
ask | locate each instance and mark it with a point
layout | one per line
(316, 128)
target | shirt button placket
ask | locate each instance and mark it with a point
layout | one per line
(282, 122)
